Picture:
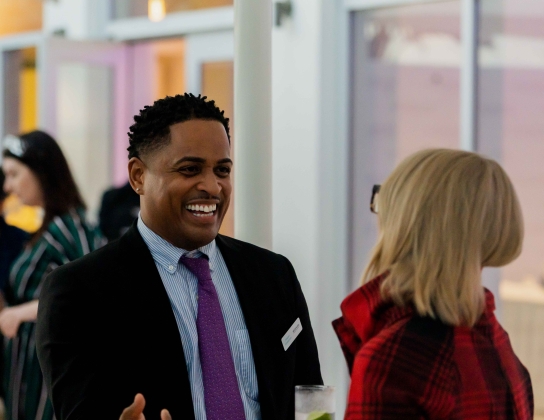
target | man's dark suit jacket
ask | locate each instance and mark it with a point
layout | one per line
(106, 331)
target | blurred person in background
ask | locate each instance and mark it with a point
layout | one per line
(12, 240)
(420, 336)
(37, 172)
(118, 211)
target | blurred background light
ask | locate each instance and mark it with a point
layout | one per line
(156, 10)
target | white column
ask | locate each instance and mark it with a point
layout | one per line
(310, 146)
(253, 121)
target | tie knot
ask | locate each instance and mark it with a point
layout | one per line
(198, 266)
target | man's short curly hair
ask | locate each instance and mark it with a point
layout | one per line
(151, 128)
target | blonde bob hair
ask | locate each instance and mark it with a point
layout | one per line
(443, 216)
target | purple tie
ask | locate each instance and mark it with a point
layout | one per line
(221, 392)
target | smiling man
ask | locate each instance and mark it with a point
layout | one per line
(202, 325)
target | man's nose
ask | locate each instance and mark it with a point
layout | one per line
(210, 184)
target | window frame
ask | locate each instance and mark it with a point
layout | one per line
(469, 64)
(174, 24)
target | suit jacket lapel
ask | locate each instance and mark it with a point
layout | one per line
(153, 311)
(254, 299)
(146, 283)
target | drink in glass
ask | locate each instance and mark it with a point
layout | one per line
(314, 402)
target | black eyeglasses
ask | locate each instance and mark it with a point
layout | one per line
(373, 203)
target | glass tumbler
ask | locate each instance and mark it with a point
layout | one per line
(314, 402)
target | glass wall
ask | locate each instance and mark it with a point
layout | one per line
(405, 97)
(134, 8)
(511, 130)
(406, 65)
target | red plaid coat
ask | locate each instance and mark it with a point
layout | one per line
(404, 366)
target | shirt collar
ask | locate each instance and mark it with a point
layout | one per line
(168, 255)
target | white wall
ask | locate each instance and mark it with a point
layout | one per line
(77, 19)
(309, 171)
(295, 144)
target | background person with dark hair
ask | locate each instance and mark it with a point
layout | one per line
(118, 211)
(37, 172)
(12, 240)
(192, 320)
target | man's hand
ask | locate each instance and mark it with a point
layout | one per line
(135, 411)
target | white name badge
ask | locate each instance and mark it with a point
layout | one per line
(291, 334)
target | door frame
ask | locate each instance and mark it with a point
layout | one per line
(209, 36)
(469, 12)
(205, 47)
(469, 16)
(56, 50)
(13, 43)
(342, 84)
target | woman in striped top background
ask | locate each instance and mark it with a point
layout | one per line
(37, 172)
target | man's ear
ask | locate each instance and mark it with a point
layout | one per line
(136, 174)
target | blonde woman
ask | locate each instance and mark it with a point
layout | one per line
(420, 336)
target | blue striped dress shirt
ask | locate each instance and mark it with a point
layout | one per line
(182, 287)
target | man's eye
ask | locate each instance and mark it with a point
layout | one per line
(189, 169)
(224, 170)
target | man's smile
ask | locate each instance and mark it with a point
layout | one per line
(202, 210)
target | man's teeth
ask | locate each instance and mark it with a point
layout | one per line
(205, 209)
